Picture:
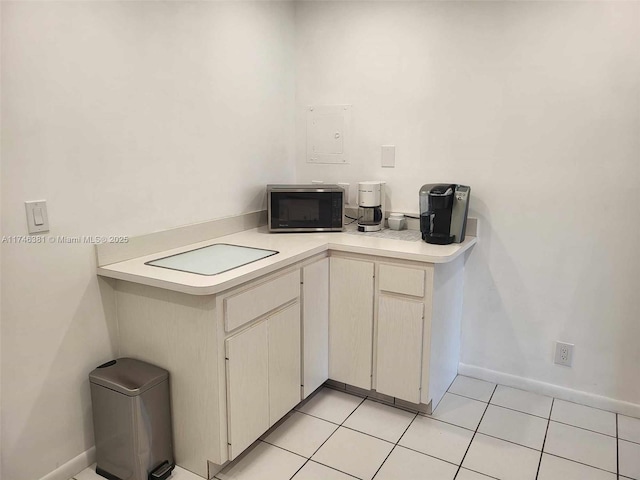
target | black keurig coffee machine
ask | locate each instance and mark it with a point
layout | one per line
(443, 212)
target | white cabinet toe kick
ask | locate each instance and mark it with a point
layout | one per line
(241, 359)
(380, 397)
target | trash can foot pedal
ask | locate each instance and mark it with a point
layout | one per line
(162, 471)
(105, 474)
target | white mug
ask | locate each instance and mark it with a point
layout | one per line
(396, 221)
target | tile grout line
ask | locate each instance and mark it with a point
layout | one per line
(546, 432)
(582, 405)
(353, 411)
(385, 459)
(480, 473)
(285, 449)
(367, 434)
(363, 399)
(333, 468)
(621, 439)
(429, 455)
(332, 433)
(553, 398)
(520, 411)
(443, 421)
(548, 453)
(530, 414)
(586, 429)
(469, 430)
(509, 441)
(483, 433)
(319, 418)
(350, 428)
(476, 399)
(415, 415)
(475, 433)
(548, 418)
(395, 445)
(446, 423)
(580, 463)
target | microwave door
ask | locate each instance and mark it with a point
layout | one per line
(300, 210)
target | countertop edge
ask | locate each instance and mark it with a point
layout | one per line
(416, 257)
(105, 271)
(210, 289)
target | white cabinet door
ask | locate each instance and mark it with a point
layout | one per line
(399, 348)
(247, 387)
(284, 362)
(315, 321)
(351, 321)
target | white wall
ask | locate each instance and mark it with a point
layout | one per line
(536, 105)
(127, 117)
(130, 117)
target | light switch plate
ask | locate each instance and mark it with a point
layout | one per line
(37, 218)
(388, 156)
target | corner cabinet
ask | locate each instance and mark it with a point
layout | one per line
(394, 326)
(315, 325)
(351, 321)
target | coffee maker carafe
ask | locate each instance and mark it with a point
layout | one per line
(370, 206)
(443, 212)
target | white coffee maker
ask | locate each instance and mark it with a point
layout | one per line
(370, 206)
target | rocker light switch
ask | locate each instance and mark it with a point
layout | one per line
(37, 219)
(37, 216)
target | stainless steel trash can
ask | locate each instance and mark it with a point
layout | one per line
(132, 420)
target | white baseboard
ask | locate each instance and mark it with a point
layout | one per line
(563, 393)
(73, 466)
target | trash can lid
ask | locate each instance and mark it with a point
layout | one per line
(128, 376)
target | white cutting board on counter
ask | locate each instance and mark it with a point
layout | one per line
(213, 259)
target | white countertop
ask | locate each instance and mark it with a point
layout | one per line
(292, 248)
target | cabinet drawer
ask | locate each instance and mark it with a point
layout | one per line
(249, 304)
(405, 280)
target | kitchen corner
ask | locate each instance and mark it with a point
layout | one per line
(244, 347)
(292, 247)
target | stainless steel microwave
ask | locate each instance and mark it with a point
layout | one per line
(305, 208)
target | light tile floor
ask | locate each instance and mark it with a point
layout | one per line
(479, 431)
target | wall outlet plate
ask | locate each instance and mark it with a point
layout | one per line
(564, 354)
(346, 187)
